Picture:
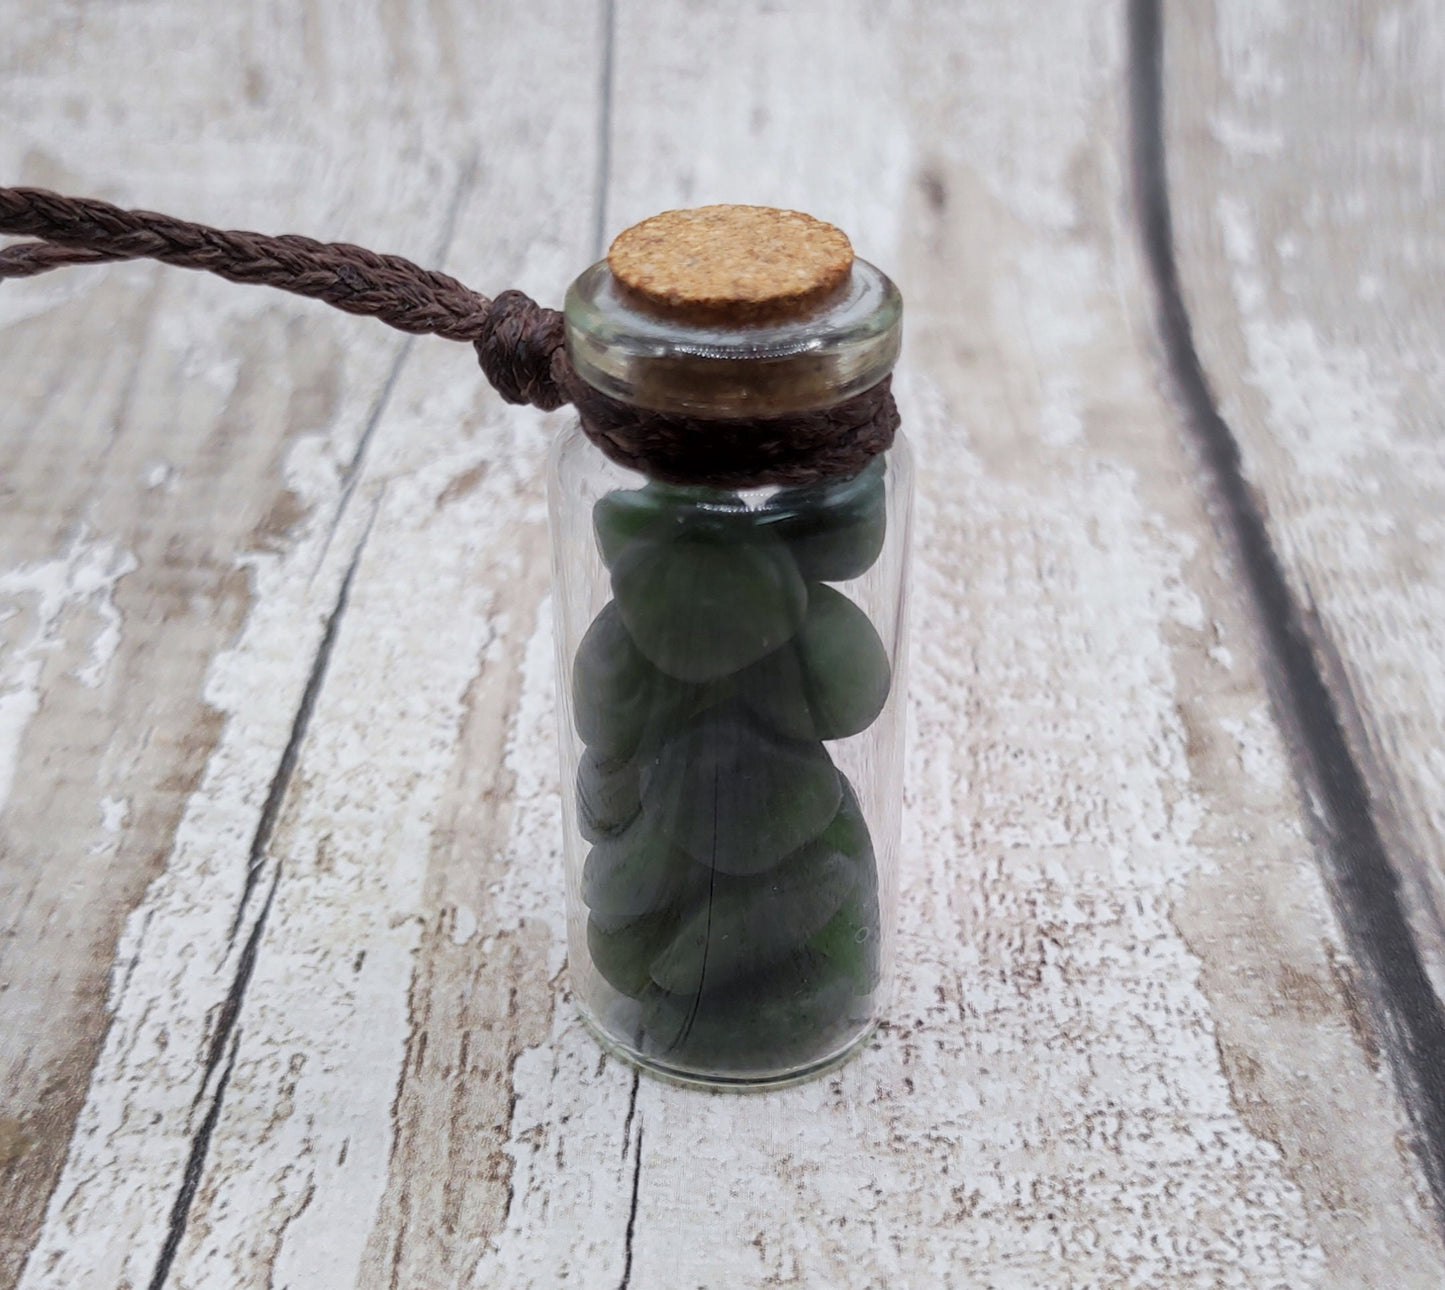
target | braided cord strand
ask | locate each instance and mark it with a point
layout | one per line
(515, 338)
(32, 258)
(400, 293)
(520, 345)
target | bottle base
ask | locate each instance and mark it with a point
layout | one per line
(725, 1082)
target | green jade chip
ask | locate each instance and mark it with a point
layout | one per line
(736, 798)
(848, 831)
(830, 681)
(798, 1009)
(742, 925)
(638, 871)
(612, 687)
(620, 702)
(799, 1012)
(661, 513)
(623, 954)
(674, 705)
(701, 607)
(607, 795)
(835, 529)
(849, 943)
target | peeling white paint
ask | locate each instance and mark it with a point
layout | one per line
(985, 80)
(114, 812)
(178, 952)
(464, 924)
(178, 959)
(37, 604)
(1060, 421)
(336, 967)
(1240, 139)
(533, 884)
(160, 474)
(1244, 29)
(1258, 743)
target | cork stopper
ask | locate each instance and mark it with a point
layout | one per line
(731, 265)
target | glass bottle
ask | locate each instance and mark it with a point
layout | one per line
(731, 706)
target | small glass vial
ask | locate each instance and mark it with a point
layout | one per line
(732, 664)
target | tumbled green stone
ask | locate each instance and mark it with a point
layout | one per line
(661, 513)
(623, 954)
(830, 681)
(849, 943)
(802, 1007)
(834, 529)
(675, 704)
(639, 871)
(737, 798)
(702, 607)
(620, 701)
(739, 926)
(607, 795)
(848, 832)
(797, 1012)
(611, 686)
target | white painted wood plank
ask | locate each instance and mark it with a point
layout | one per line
(1305, 158)
(298, 1164)
(172, 452)
(204, 434)
(443, 600)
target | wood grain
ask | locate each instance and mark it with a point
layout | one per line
(168, 446)
(1317, 292)
(1326, 390)
(1129, 1046)
(178, 529)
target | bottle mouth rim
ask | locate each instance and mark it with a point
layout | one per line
(840, 347)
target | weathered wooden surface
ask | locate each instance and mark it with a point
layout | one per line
(1305, 161)
(174, 456)
(1315, 305)
(326, 1041)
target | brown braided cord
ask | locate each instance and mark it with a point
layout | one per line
(520, 344)
(513, 344)
(31, 258)
(740, 452)
(400, 293)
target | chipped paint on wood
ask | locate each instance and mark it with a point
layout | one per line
(38, 598)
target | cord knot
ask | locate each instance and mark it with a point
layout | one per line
(515, 347)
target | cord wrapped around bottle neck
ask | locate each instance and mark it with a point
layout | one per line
(738, 452)
(520, 344)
